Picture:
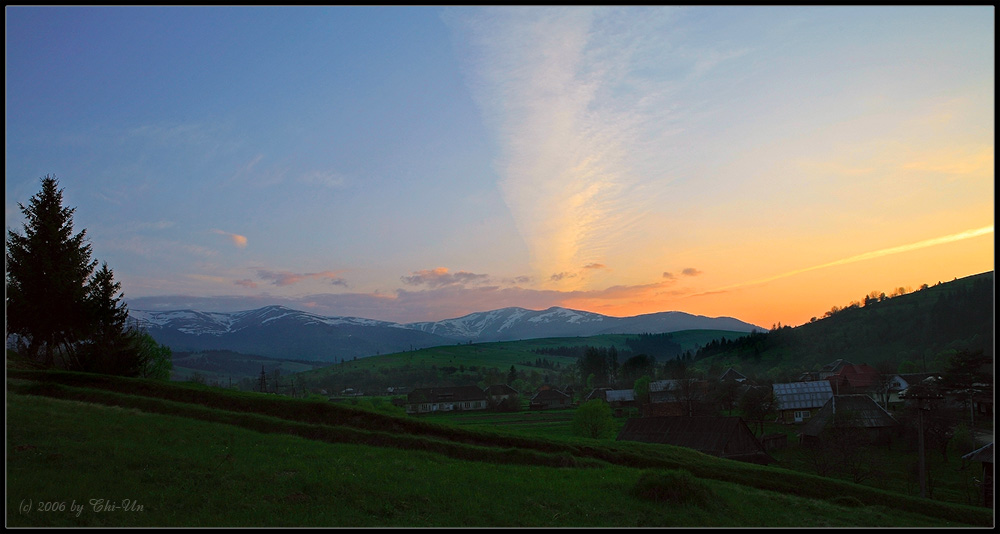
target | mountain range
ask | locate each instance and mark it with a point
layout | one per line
(279, 332)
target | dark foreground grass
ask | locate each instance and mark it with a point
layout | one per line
(194, 465)
(173, 471)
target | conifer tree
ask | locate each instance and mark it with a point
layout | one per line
(59, 310)
(46, 278)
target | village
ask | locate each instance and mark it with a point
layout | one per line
(844, 405)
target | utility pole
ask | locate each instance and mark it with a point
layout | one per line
(922, 392)
(262, 381)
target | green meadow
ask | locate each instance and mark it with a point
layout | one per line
(98, 451)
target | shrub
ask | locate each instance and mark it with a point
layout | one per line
(675, 486)
(593, 419)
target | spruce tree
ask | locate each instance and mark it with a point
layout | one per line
(110, 345)
(46, 279)
(60, 311)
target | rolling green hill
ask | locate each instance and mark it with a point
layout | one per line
(463, 364)
(181, 455)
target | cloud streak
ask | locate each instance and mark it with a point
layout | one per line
(287, 278)
(440, 277)
(968, 234)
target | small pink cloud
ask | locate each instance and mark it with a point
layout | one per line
(246, 282)
(238, 240)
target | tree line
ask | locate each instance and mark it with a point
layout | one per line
(62, 311)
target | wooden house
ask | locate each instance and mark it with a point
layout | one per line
(620, 398)
(733, 375)
(500, 392)
(832, 368)
(857, 412)
(798, 401)
(724, 437)
(689, 397)
(549, 398)
(445, 399)
(854, 379)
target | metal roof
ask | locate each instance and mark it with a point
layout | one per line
(855, 411)
(620, 395)
(802, 395)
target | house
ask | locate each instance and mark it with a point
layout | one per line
(597, 393)
(549, 398)
(663, 409)
(859, 412)
(733, 375)
(900, 382)
(832, 368)
(690, 397)
(853, 379)
(444, 399)
(798, 401)
(984, 455)
(620, 398)
(724, 437)
(502, 395)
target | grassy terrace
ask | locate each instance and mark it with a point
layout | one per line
(198, 456)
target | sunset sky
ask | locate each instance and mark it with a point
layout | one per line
(422, 163)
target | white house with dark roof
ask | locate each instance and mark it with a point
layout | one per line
(445, 399)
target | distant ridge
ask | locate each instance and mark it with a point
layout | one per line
(279, 332)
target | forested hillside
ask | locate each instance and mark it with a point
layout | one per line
(911, 332)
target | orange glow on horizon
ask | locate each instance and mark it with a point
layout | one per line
(794, 297)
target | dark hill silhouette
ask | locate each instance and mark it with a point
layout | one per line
(915, 330)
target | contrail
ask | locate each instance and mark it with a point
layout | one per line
(968, 234)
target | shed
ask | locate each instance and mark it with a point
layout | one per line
(724, 437)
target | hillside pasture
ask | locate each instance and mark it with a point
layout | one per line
(198, 456)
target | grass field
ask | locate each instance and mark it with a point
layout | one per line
(177, 455)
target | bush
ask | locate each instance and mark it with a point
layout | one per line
(593, 419)
(672, 486)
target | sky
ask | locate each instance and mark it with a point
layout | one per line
(422, 163)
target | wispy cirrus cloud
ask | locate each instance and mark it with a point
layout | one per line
(578, 99)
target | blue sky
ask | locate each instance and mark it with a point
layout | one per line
(420, 163)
